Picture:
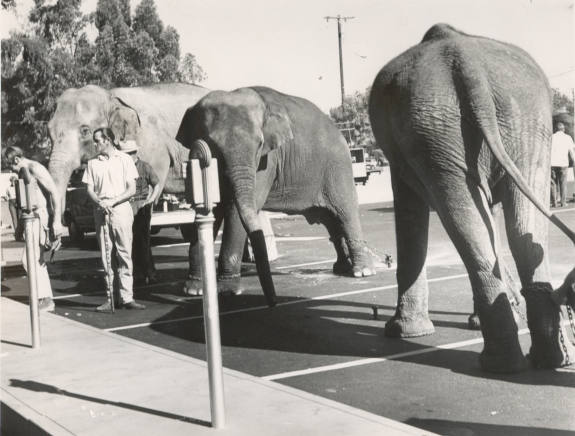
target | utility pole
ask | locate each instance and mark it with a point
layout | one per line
(339, 33)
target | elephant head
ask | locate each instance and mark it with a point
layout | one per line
(78, 113)
(241, 128)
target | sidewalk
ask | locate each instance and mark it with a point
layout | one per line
(84, 381)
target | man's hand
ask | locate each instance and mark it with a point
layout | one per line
(107, 204)
(57, 229)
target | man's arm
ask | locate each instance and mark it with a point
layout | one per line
(50, 190)
(124, 196)
(154, 181)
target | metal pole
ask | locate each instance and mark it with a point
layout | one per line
(205, 224)
(340, 61)
(29, 222)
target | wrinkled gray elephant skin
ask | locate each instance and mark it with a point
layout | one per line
(277, 153)
(466, 124)
(149, 114)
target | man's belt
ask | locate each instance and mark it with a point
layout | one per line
(139, 198)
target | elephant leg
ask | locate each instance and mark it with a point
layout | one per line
(512, 291)
(527, 235)
(411, 318)
(465, 214)
(343, 264)
(341, 218)
(230, 259)
(193, 284)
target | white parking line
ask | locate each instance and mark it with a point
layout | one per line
(383, 359)
(306, 264)
(303, 300)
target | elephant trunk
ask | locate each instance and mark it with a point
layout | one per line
(60, 168)
(243, 182)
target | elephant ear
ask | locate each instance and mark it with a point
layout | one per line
(124, 120)
(277, 127)
(184, 134)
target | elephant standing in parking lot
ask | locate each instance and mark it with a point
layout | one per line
(466, 124)
(277, 153)
(149, 114)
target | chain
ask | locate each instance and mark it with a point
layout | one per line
(567, 360)
(194, 278)
(561, 337)
(229, 276)
(515, 307)
(571, 321)
(387, 258)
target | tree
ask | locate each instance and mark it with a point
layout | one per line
(355, 112)
(61, 24)
(562, 102)
(190, 71)
(146, 19)
(54, 53)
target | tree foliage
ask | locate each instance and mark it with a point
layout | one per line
(354, 113)
(56, 54)
(562, 102)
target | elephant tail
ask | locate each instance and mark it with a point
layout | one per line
(484, 113)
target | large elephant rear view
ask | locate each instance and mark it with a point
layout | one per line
(466, 123)
(149, 114)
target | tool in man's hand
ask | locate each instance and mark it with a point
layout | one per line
(110, 280)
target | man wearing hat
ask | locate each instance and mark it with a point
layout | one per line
(142, 203)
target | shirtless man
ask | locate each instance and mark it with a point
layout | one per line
(48, 226)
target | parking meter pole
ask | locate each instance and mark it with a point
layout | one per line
(205, 225)
(29, 222)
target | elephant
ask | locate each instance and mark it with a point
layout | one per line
(277, 153)
(466, 124)
(149, 114)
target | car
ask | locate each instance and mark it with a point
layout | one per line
(170, 211)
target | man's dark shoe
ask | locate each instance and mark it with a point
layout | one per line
(106, 306)
(132, 305)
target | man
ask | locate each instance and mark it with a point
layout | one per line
(47, 227)
(142, 203)
(561, 149)
(111, 181)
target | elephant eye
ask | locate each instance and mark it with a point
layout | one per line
(85, 132)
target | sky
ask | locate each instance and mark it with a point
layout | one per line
(288, 45)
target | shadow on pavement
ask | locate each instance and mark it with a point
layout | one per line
(41, 387)
(457, 428)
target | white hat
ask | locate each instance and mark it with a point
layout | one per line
(128, 146)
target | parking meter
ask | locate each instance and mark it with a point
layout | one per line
(27, 201)
(201, 178)
(25, 188)
(203, 192)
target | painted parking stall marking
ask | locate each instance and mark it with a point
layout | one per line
(251, 309)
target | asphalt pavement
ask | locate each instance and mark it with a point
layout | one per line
(324, 338)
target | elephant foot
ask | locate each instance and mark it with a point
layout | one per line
(503, 356)
(230, 284)
(358, 270)
(398, 327)
(193, 286)
(474, 323)
(342, 267)
(550, 345)
(362, 262)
